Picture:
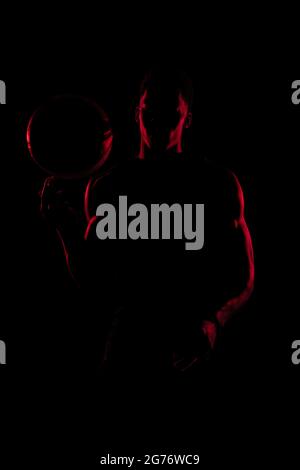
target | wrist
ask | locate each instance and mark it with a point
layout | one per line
(211, 328)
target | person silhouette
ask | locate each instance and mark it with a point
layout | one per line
(171, 304)
(164, 307)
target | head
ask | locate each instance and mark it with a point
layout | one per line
(164, 111)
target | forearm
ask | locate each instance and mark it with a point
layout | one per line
(237, 301)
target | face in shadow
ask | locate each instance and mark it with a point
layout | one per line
(162, 118)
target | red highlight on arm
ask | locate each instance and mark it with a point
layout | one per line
(90, 224)
(237, 302)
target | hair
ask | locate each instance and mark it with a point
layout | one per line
(169, 79)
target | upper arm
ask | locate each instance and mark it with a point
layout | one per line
(236, 201)
(240, 224)
(240, 251)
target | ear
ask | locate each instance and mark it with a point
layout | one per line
(137, 114)
(188, 120)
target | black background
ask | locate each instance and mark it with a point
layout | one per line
(243, 118)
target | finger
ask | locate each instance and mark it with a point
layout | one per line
(185, 364)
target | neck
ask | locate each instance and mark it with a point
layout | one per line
(146, 153)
